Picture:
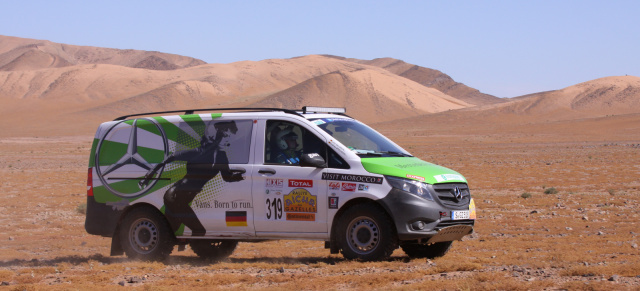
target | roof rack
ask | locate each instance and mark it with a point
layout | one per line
(191, 111)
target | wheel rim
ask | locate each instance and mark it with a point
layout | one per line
(363, 235)
(143, 236)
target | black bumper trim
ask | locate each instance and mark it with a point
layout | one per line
(406, 208)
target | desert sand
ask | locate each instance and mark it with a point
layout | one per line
(555, 175)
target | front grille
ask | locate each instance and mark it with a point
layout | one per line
(446, 194)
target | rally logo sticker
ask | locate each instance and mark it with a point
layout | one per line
(348, 187)
(275, 183)
(301, 216)
(301, 183)
(416, 177)
(333, 202)
(334, 185)
(449, 177)
(352, 178)
(302, 203)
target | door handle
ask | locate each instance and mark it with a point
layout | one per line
(237, 170)
(268, 172)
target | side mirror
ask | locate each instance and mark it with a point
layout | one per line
(312, 160)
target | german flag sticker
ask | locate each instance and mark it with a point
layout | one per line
(236, 218)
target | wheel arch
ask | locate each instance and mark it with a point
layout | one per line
(333, 244)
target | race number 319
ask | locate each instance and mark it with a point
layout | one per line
(274, 208)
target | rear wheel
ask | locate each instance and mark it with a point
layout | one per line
(213, 249)
(427, 251)
(145, 235)
(366, 233)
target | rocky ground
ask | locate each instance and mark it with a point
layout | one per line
(583, 235)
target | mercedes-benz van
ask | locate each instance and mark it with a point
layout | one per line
(211, 180)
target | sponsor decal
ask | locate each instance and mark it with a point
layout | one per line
(301, 216)
(352, 178)
(416, 177)
(447, 177)
(409, 165)
(334, 186)
(363, 187)
(236, 218)
(333, 202)
(275, 183)
(301, 183)
(300, 200)
(349, 187)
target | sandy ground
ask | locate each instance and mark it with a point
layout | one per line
(583, 237)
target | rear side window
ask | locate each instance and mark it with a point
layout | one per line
(231, 136)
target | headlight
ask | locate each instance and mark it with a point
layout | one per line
(414, 187)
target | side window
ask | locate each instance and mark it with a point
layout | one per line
(286, 142)
(336, 162)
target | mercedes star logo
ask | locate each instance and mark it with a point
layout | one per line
(131, 159)
(457, 193)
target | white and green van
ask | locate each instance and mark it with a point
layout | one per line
(211, 180)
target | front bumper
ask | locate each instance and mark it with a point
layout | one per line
(407, 210)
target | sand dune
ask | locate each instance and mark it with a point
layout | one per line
(601, 97)
(371, 95)
(434, 79)
(47, 88)
(30, 54)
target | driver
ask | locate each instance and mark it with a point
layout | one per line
(287, 142)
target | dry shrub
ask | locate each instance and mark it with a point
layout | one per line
(488, 276)
(6, 275)
(445, 265)
(603, 270)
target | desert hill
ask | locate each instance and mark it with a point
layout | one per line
(55, 89)
(433, 79)
(30, 54)
(372, 95)
(62, 84)
(614, 95)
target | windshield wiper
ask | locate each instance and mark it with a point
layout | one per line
(360, 152)
(397, 154)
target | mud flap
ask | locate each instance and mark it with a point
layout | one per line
(116, 247)
(451, 233)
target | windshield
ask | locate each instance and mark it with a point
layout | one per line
(361, 139)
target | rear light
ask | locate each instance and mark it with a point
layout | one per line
(90, 182)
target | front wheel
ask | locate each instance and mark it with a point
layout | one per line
(366, 233)
(145, 235)
(427, 251)
(213, 249)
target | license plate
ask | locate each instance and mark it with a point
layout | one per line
(460, 214)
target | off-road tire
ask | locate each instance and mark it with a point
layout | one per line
(145, 235)
(426, 251)
(366, 233)
(214, 250)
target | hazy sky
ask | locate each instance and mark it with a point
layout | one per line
(503, 48)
